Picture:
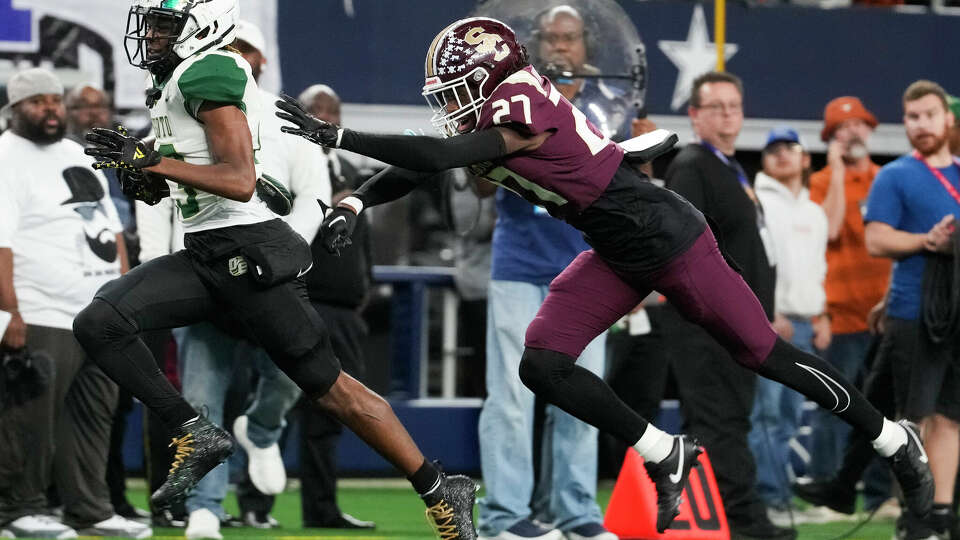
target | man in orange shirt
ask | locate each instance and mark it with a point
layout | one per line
(855, 280)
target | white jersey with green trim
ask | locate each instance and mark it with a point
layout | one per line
(219, 76)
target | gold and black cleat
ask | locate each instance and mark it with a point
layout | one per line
(200, 446)
(450, 508)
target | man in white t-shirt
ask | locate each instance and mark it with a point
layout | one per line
(59, 242)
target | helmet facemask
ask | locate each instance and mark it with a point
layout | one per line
(456, 103)
(147, 25)
(184, 27)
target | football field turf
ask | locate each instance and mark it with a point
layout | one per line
(399, 515)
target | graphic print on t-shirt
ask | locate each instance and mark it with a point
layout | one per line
(86, 194)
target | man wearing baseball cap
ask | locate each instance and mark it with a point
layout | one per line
(59, 242)
(855, 280)
(798, 228)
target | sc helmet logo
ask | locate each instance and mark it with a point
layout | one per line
(487, 43)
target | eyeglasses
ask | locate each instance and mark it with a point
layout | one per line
(567, 38)
(715, 108)
(88, 108)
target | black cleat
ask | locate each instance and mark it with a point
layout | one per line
(828, 493)
(912, 469)
(670, 475)
(450, 508)
(201, 446)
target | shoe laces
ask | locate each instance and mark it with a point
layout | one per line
(184, 448)
(440, 517)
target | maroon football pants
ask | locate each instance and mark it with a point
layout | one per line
(588, 297)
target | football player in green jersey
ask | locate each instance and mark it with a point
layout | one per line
(241, 266)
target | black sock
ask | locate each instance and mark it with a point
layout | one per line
(941, 517)
(426, 479)
(821, 382)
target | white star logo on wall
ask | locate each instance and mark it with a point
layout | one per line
(693, 57)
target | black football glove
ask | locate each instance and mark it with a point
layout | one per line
(114, 149)
(143, 186)
(310, 128)
(337, 227)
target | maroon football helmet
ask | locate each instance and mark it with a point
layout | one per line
(465, 62)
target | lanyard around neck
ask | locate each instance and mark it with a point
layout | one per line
(939, 175)
(732, 165)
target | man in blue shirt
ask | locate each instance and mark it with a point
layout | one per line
(529, 250)
(910, 217)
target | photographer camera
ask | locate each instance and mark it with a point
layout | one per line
(22, 378)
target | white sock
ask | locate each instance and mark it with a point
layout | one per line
(654, 445)
(892, 437)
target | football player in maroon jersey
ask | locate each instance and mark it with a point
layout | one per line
(511, 126)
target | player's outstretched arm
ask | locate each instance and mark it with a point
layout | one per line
(233, 174)
(412, 152)
(390, 184)
(387, 185)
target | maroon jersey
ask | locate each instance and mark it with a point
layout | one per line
(571, 168)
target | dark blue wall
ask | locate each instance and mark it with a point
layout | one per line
(793, 60)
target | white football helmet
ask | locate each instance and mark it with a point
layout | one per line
(160, 33)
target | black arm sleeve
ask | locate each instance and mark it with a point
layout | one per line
(390, 184)
(427, 154)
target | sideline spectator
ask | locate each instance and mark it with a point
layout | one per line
(911, 216)
(563, 43)
(855, 280)
(59, 242)
(717, 392)
(855, 283)
(955, 132)
(338, 287)
(89, 107)
(529, 250)
(798, 229)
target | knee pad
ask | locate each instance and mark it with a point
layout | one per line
(314, 371)
(99, 323)
(540, 368)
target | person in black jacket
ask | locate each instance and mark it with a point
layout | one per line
(338, 287)
(717, 395)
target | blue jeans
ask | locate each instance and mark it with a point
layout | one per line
(207, 358)
(829, 433)
(774, 422)
(566, 493)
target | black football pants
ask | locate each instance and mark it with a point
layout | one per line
(183, 289)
